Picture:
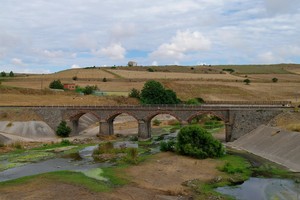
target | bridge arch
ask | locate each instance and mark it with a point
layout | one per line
(73, 119)
(152, 115)
(217, 126)
(112, 125)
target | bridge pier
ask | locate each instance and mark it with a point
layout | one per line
(74, 126)
(106, 128)
(144, 129)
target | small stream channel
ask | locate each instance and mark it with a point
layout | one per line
(55, 164)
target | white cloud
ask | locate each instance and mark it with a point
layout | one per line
(114, 51)
(75, 66)
(17, 61)
(184, 42)
(52, 54)
(154, 63)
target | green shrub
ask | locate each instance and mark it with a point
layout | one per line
(150, 70)
(134, 93)
(65, 142)
(230, 169)
(56, 84)
(156, 122)
(168, 146)
(89, 89)
(274, 80)
(63, 130)
(247, 81)
(197, 142)
(104, 80)
(74, 78)
(193, 102)
(131, 156)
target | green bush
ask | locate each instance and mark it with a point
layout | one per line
(65, 142)
(63, 130)
(197, 142)
(193, 102)
(74, 78)
(104, 80)
(247, 81)
(150, 70)
(275, 80)
(168, 146)
(56, 84)
(131, 156)
(156, 122)
(134, 93)
(89, 89)
(230, 169)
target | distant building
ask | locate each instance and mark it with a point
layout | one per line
(132, 63)
(69, 86)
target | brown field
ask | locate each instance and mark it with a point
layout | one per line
(209, 86)
(128, 74)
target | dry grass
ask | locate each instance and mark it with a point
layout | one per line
(62, 100)
(294, 127)
(293, 69)
(268, 77)
(128, 74)
(258, 69)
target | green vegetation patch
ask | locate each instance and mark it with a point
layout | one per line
(76, 178)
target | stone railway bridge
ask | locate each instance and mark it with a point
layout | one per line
(238, 119)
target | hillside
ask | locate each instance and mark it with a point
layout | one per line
(207, 82)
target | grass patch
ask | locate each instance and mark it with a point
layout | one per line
(236, 165)
(76, 178)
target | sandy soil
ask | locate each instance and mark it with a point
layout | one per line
(158, 178)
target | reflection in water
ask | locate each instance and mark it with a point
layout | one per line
(263, 189)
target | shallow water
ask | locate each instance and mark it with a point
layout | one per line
(263, 189)
(56, 164)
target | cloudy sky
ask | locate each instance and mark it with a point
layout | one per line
(45, 36)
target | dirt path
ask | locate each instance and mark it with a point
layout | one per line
(160, 177)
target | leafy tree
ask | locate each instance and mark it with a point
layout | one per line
(197, 142)
(11, 74)
(134, 93)
(275, 80)
(154, 92)
(89, 89)
(63, 130)
(3, 74)
(247, 81)
(56, 84)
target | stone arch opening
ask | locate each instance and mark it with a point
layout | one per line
(123, 123)
(85, 122)
(163, 123)
(212, 122)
